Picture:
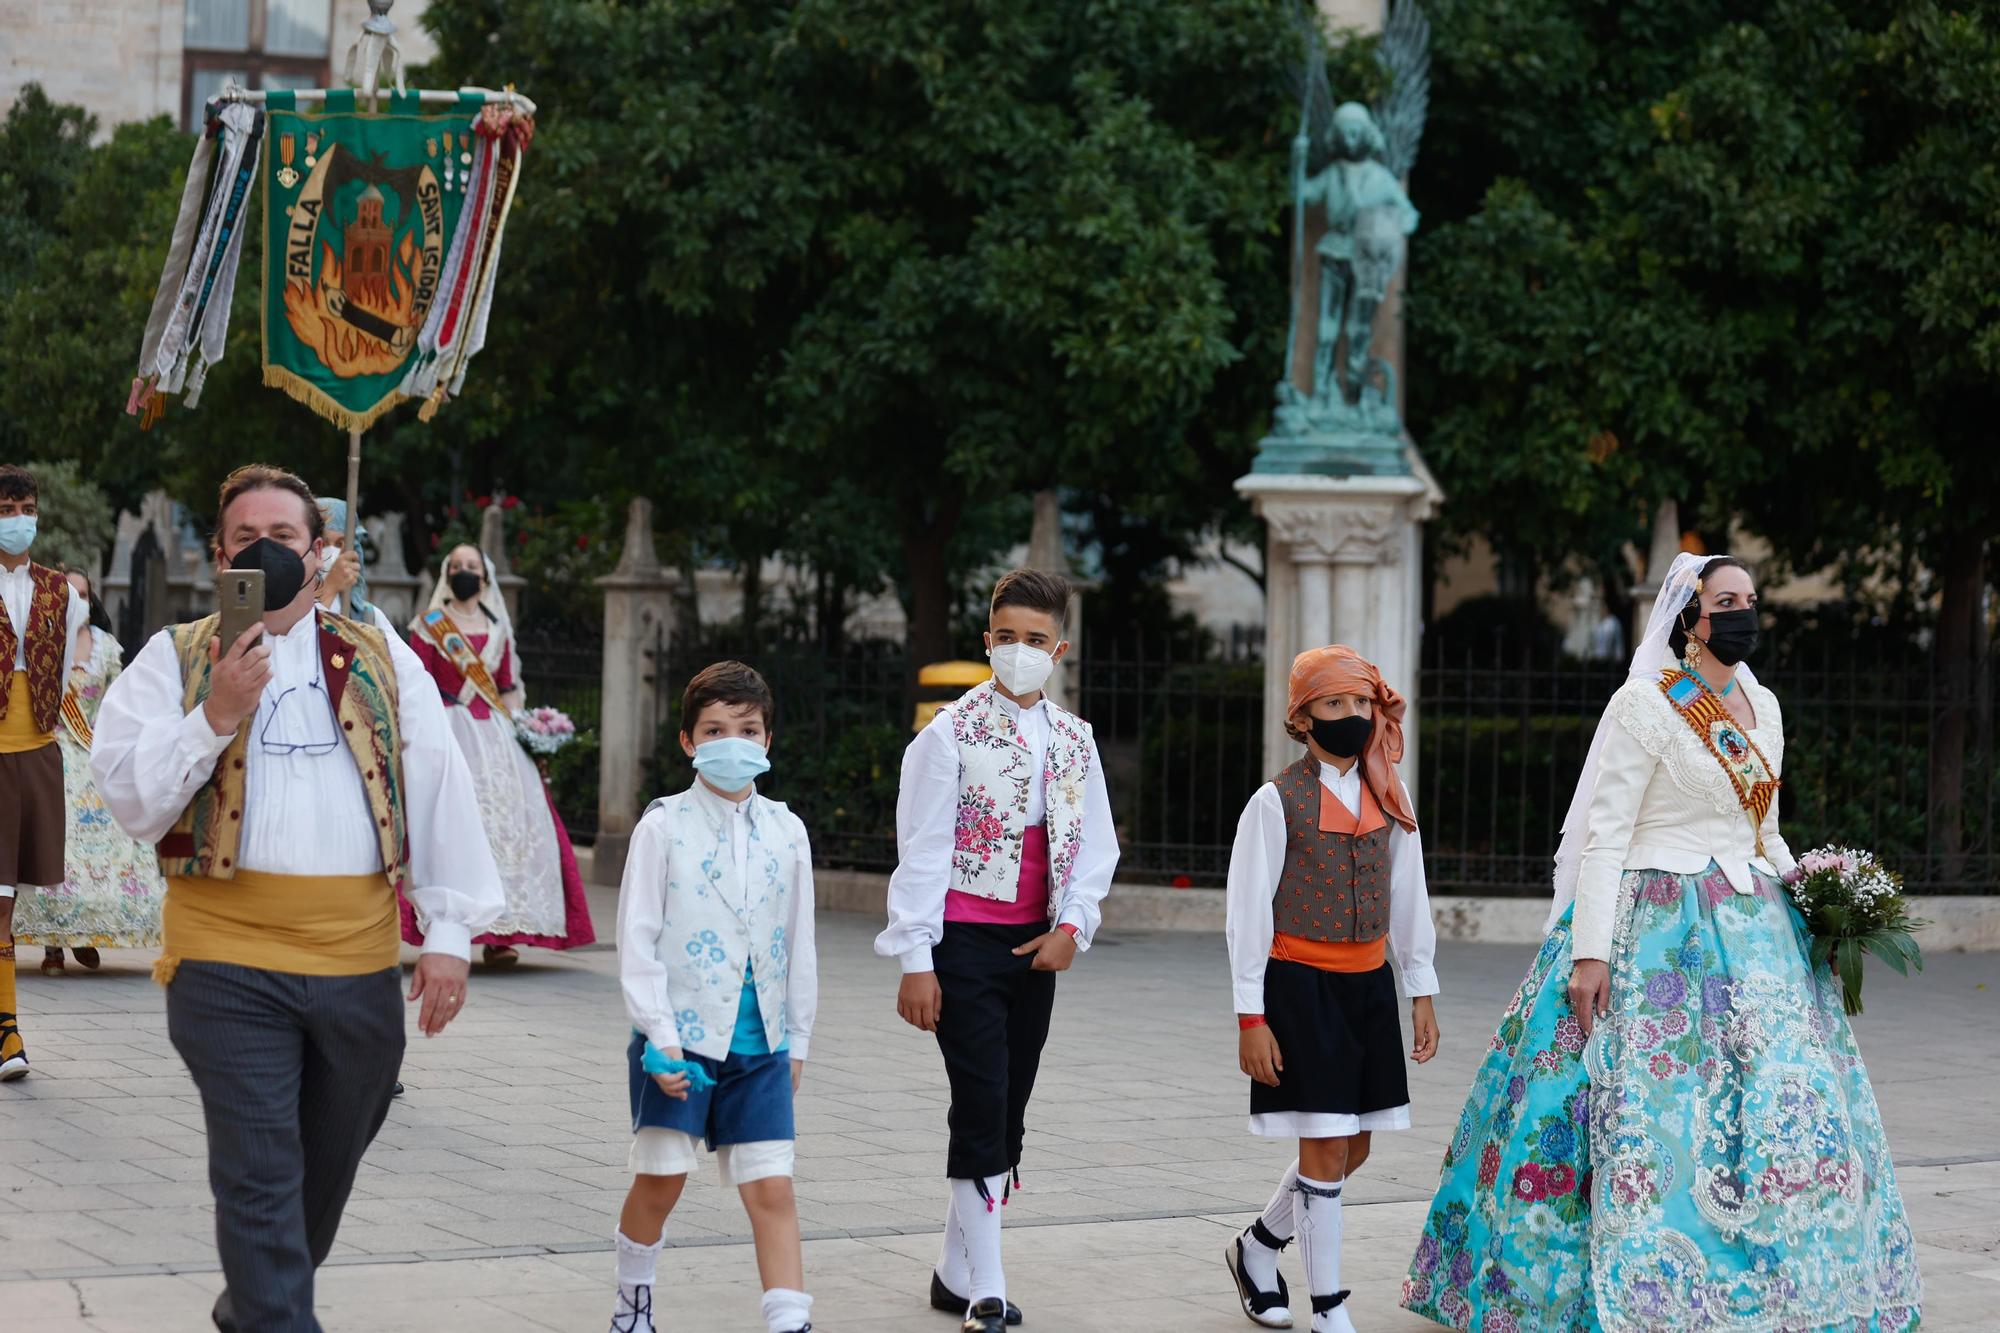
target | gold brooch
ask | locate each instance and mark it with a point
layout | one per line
(339, 663)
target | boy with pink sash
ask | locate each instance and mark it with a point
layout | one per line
(1006, 849)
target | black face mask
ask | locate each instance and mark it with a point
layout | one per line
(1732, 636)
(1343, 737)
(464, 585)
(284, 570)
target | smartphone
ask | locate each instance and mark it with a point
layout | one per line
(241, 592)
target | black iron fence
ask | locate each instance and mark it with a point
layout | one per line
(563, 665)
(1503, 738)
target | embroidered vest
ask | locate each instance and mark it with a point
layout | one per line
(48, 621)
(362, 677)
(1334, 887)
(995, 769)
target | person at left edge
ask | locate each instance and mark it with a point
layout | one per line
(293, 782)
(40, 615)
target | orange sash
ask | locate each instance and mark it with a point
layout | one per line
(458, 651)
(74, 720)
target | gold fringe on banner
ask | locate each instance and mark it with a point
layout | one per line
(304, 391)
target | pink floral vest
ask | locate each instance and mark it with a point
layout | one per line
(995, 768)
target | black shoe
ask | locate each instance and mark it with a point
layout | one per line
(1266, 1309)
(396, 1091)
(988, 1316)
(945, 1299)
(224, 1314)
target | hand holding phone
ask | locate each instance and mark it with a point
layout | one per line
(241, 662)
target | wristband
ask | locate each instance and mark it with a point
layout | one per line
(1069, 928)
(1244, 1022)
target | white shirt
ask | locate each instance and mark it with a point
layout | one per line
(306, 812)
(17, 591)
(669, 984)
(1664, 803)
(1254, 865)
(927, 826)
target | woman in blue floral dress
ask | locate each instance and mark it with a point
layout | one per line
(1672, 1129)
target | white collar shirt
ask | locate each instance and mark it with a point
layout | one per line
(17, 593)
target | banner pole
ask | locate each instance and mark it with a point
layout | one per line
(354, 488)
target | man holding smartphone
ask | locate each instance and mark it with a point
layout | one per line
(294, 780)
(40, 615)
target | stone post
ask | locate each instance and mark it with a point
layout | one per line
(1345, 565)
(391, 585)
(638, 624)
(1045, 552)
(493, 541)
(1660, 553)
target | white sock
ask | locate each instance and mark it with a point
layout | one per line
(951, 1268)
(979, 1223)
(1318, 1214)
(785, 1310)
(1260, 1261)
(638, 1266)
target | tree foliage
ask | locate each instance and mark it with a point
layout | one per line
(1746, 259)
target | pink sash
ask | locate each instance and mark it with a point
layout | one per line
(1031, 902)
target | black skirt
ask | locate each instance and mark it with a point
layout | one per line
(1340, 1035)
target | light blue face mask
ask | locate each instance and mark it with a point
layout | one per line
(731, 763)
(17, 533)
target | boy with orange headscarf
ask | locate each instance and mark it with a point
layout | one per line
(1327, 874)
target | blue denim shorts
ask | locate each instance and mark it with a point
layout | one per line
(751, 1101)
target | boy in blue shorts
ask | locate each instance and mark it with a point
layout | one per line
(715, 954)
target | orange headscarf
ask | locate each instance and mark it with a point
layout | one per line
(1321, 673)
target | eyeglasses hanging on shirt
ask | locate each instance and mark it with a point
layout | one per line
(307, 722)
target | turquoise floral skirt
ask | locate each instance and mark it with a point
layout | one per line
(1714, 1161)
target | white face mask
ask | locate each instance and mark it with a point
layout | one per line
(1019, 668)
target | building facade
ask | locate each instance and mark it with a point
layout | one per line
(127, 60)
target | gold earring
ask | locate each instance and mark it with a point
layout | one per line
(1693, 655)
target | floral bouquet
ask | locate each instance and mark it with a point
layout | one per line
(1855, 906)
(543, 731)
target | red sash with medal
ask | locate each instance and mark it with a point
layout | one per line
(1722, 736)
(459, 653)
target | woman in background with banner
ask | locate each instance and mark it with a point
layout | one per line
(466, 641)
(112, 890)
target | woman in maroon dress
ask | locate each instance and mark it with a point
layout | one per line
(467, 642)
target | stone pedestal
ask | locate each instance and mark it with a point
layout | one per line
(1345, 565)
(493, 541)
(391, 585)
(1046, 553)
(638, 624)
(1660, 553)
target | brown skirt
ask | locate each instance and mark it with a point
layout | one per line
(33, 822)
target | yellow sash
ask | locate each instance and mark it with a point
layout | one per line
(316, 925)
(18, 732)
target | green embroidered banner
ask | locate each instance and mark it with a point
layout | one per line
(360, 212)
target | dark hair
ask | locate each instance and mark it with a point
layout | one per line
(99, 617)
(17, 483)
(1690, 616)
(1035, 589)
(263, 477)
(729, 683)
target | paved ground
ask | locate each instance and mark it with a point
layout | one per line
(490, 1198)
